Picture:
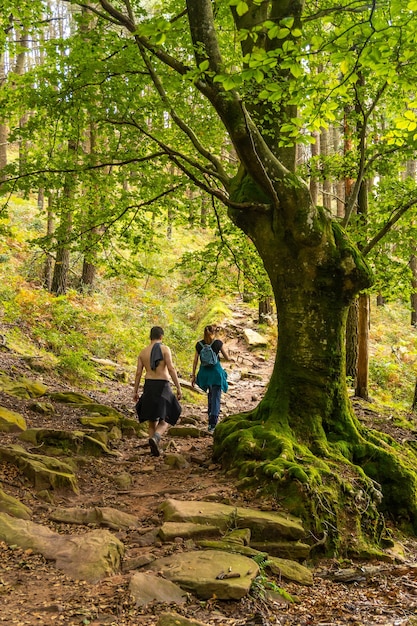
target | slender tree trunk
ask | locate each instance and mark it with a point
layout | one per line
(49, 258)
(204, 211)
(59, 284)
(361, 388)
(411, 172)
(94, 196)
(19, 69)
(3, 126)
(414, 405)
(63, 233)
(314, 183)
(265, 309)
(325, 150)
(170, 219)
(88, 275)
(352, 341)
(413, 297)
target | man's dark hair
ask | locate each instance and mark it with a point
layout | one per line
(156, 332)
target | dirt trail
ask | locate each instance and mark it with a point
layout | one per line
(35, 593)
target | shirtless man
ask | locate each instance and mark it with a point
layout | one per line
(157, 404)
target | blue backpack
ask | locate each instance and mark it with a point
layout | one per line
(208, 357)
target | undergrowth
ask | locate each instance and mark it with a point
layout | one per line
(114, 321)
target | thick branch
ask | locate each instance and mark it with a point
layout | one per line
(85, 168)
(203, 35)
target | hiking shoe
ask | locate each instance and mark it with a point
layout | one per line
(153, 444)
(210, 429)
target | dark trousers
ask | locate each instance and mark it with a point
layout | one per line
(214, 397)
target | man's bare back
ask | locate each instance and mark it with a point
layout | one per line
(161, 371)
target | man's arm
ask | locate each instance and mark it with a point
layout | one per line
(171, 369)
(138, 376)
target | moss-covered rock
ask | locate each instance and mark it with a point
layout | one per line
(13, 507)
(10, 421)
(44, 472)
(70, 397)
(22, 387)
(64, 442)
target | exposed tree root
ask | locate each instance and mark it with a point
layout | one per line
(342, 489)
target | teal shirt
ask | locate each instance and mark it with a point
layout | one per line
(213, 375)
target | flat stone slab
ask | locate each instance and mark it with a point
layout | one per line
(173, 619)
(254, 339)
(290, 570)
(147, 588)
(284, 549)
(170, 530)
(264, 525)
(91, 556)
(208, 573)
(103, 516)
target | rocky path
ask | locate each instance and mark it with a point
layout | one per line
(135, 483)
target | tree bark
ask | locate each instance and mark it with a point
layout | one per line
(3, 126)
(314, 183)
(414, 405)
(265, 309)
(88, 275)
(325, 151)
(361, 387)
(352, 342)
(63, 232)
(413, 297)
(47, 281)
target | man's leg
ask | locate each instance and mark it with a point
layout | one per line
(156, 430)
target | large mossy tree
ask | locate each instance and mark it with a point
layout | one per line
(272, 71)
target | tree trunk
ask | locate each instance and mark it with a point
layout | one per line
(352, 342)
(325, 151)
(314, 183)
(88, 275)
(49, 258)
(3, 125)
(63, 232)
(265, 309)
(338, 147)
(204, 212)
(304, 430)
(414, 405)
(413, 297)
(361, 388)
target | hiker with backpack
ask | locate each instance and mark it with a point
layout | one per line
(211, 377)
